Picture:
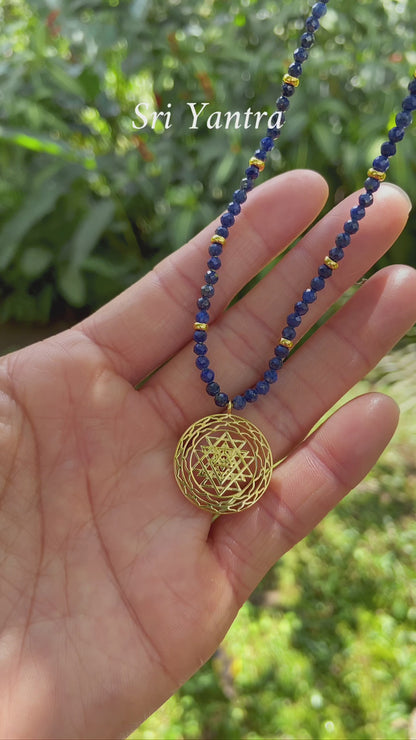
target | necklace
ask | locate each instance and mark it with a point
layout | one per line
(223, 463)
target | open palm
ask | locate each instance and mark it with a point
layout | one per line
(113, 587)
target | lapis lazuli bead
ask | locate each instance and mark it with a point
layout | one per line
(294, 320)
(396, 134)
(317, 283)
(289, 332)
(295, 69)
(409, 103)
(239, 403)
(207, 291)
(371, 184)
(202, 317)
(281, 351)
(227, 219)
(366, 200)
(381, 164)
(301, 54)
(207, 375)
(342, 240)
(261, 154)
(404, 119)
(246, 184)
(357, 212)
(312, 24)
(412, 87)
(275, 363)
(351, 227)
(267, 143)
(288, 89)
(221, 400)
(282, 103)
(211, 277)
(324, 272)
(203, 303)
(212, 389)
(214, 263)
(234, 208)
(318, 10)
(252, 172)
(202, 362)
(336, 254)
(273, 133)
(215, 249)
(262, 387)
(240, 196)
(309, 296)
(200, 336)
(307, 40)
(200, 349)
(222, 231)
(250, 395)
(388, 149)
(301, 308)
(270, 376)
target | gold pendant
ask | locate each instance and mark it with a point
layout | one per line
(223, 463)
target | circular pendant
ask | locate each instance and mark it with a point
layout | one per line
(223, 463)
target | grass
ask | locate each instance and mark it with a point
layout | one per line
(326, 646)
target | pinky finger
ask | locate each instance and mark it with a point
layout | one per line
(304, 488)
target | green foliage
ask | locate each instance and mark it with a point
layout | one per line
(88, 203)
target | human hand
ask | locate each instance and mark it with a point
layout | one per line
(114, 589)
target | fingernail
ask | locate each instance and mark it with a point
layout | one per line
(402, 192)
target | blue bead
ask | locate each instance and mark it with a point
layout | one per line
(365, 200)
(275, 363)
(246, 184)
(324, 272)
(289, 332)
(301, 308)
(202, 362)
(227, 219)
(202, 317)
(200, 336)
(307, 40)
(412, 87)
(215, 249)
(342, 240)
(404, 119)
(203, 303)
(273, 133)
(222, 231)
(261, 154)
(357, 213)
(207, 375)
(239, 403)
(267, 143)
(252, 172)
(312, 24)
(294, 320)
(200, 349)
(212, 389)
(282, 103)
(214, 263)
(250, 395)
(351, 227)
(281, 351)
(234, 208)
(336, 254)
(396, 134)
(381, 164)
(318, 10)
(371, 184)
(240, 196)
(211, 277)
(388, 149)
(317, 283)
(207, 291)
(288, 89)
(295, 69)
(309, 296)
(262, 387)
(300, 54)
(221, 399)
(409, 103)
(270, 376)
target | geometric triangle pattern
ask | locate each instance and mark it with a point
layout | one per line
(223, 463)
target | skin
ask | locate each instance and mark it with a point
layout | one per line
(114, 589)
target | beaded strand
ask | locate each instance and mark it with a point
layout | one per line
(375, 175)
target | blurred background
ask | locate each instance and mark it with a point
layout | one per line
(326, 646)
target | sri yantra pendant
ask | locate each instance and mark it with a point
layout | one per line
(223, 463)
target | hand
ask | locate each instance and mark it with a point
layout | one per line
(114, 589)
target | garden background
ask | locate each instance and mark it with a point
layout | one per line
(326, 646)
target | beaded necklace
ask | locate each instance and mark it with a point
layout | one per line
(223, 463)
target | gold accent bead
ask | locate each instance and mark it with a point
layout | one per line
(217, 239)
(200, 327)
(414, 73)
(286, 343)
(331, 263)
(376, 174)
(291, 80)
(257, 163)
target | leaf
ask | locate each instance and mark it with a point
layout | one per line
(34, 261)
(72, 286)
(90, 229)
(41, 143)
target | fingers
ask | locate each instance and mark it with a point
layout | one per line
(140, 329)
(303, 489)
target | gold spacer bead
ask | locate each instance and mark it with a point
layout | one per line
(376, 174)
(200, 327)
(286, 343)
(257, 163)
(291, 80)
(331, 263)
(414, 73)
(216, 239)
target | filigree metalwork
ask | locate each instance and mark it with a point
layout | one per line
(223, 463)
